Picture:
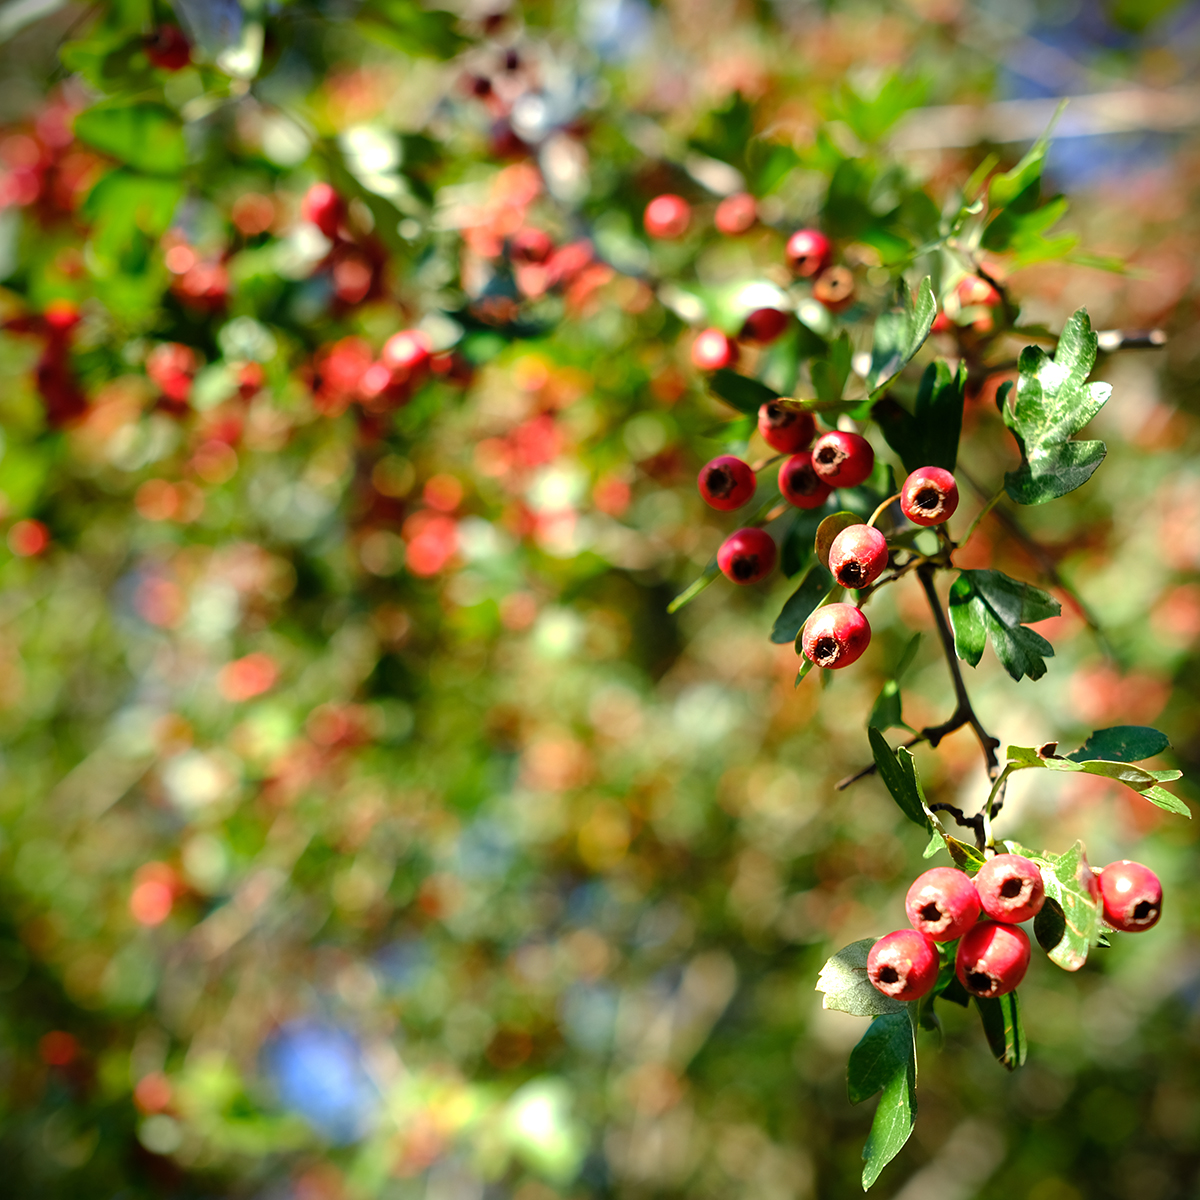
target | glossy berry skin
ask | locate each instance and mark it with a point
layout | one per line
(406, 351)
(324, 208)
(530, 246)
(835, 636)
(801, 486)
(726, 483)
(903, 965)
(763, 325)
(942, 904)
(667, 217)
(834, 288)
(992, 959)
(843, 460)
(808, 252)
(858, 556)
(785, 429)
(929, 496)
(735, 214)
(1132, 896)
(712, 350)
(168, 48)
(1010, 888)
(973, 290)
(747, 556)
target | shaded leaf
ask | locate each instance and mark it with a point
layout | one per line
(745, 394)
(1001, 1017)
(899, 334)
(990, 604)
(691, 592)
(847, 989)
(899, 776)
(927, 437)
(146, 136)
(814, 587)
(1122, 743)
(412, 28)
(829, 375)
(887, 712)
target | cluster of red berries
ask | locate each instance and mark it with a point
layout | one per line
(944, 905)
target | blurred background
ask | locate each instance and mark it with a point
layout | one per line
(369, 827)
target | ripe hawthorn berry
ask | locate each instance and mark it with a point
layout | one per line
(726, 483)
(324, 208)
(406, 351)
(858, 556)
(667, 217)
(785, 429)
(712, 350)
(843, 460)
(972, 290)
(942, 904)
(1132, 896)
(168, 48)
(801, 486)
(763, 325)
(834, 288)
(929, 496)
(530, 245)
(735, 214)
(903, 965)
(992, 959)
(808, 252)
(1010, 888)
(835, 636)
(747, 555)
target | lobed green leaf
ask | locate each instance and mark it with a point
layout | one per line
(989, 604)
(847, 989)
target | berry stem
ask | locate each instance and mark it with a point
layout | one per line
(882, 509)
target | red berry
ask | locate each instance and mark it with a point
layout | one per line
(800, 484)
(942, 904)
(712, 350)
(1010, 888)
(929, 496)
(667, 217)
(858, 556)
(167, 47)
(726, 483)
(834, 288)
(835, 636)
(764, 325)
(992, 959)
(406, 351)
(530, 246)
(323, 207)
(941, 323)
(785, 429)
(973, 290)
(1132, 896)
(735, 214)
(843, 460)
(808, 252)
(903, 965)
(747, 556)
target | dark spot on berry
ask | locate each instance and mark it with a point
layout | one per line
(803, 481)
(719, 482)
(829, 455)
(850, 574)
(745, 566)
(1144, 910)
(888, 974)
(930, 912)
(481, 86)
(1012, 887)
(512, 60)
(928, 499)
(778, 417)
(981, 981)
(826, 651)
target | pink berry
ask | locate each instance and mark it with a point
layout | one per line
(835, 636)
(763, 325)
(942, 904)
(747, 555)
(168, 48)
(903, 965)
(808, 252)
(1132, 896)
(726, 483)
(843, 460)
(858, 556)
(735, 214)
(667, 217)
(530, 245)
(1010, 888)
(800, 484)
(324, 208)
(712, 350)
(406, 351)
(785, 429)
(973, 290)
(992, 959)
(929, 496)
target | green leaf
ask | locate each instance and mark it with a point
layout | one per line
(847, 989)
(899, 776)
(828, 529)
(1122, 743)
(806, 665)
(989, 603)
(886, 712)
(965, 856)
(125, 207)
(899, 334)
(1001, 1017)
(146, 136)
(1072, 887)
(693, 590)
(745, 394)
(814, 587)
(927, 437)
(796, 552)
(829, 375)
(1053, 401)
(885, 1058)
(412, 28)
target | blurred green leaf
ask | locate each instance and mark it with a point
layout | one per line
(829, 374)
(900, 333)
(886, 711)
(745, 394)
(146, 136)
(989, 603)
(813, 589)
(408, 26)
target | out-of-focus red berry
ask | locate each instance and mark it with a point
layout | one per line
(667, 217)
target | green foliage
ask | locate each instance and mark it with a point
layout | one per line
(928, 436)
(886, 1060)
(988, 604)
(811, 594)
(900, 333)
(146, 136)
(1001, 1017)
